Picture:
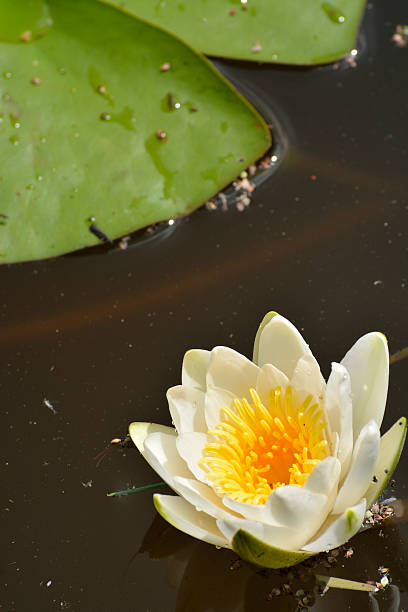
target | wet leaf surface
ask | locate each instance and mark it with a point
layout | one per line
(289, 32)
(97, 137)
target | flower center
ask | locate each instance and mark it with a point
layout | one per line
(259, 448)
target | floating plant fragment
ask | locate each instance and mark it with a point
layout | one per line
(284, 32)
(90, 148)
(267, 458)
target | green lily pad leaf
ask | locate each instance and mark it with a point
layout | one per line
(252, 549)
(103, 115)
(391, 445)
(285, 32)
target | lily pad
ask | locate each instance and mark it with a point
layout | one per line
(103, 115)
(282, 31)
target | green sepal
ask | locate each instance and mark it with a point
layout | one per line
(259, 553)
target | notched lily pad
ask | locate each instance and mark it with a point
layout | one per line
(282, 31)
(107, 121)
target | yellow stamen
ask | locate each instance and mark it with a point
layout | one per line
(256, 448)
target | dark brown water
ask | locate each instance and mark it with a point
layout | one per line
(101, 335)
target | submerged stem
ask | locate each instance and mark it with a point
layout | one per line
(155, 485)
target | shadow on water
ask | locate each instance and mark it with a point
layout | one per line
(207, 578)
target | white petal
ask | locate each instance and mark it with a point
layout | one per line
(291, 515)
(278, 536)
(215, 399)
(305, 508)
(161, 452)
(194, 370)
(232, 371)
(335, 441)
(190, 446)
(202, 497)
(308, 378)
(281, 344)
(264, 322)
(338, 530)
(368, 364)
(253, 512)
(179, 513)
(324, 477)
(269, 378)
(340, 412)
(391, 445)
(362, 468)
(187, 409)
(139, 432)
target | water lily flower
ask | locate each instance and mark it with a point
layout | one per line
(267, 458)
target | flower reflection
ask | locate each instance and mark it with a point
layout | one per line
(214, 580)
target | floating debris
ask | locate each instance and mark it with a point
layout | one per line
(88, 484)
(26, 36)
(235, 565)
(102, 90)
(384, 582)
(377, 514)
(96, 231)
(165, 67)
(256, 48)
(244, 184)
(161, 135)
(171, 102)
(402, 354)
(242, 188)
(36, 81)
(105, 117)
(123, 245)
(114, 443)
(400, 36)
(49, 405)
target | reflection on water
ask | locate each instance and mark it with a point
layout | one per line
(216, 580)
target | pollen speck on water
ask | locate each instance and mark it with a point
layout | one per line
(259, 448)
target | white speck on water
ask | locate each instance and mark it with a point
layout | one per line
(49, 583)
(49, 405)
(377, 282)
(384, 581)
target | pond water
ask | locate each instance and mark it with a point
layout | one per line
(100, 335)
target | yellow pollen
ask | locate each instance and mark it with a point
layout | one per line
(257, 448)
